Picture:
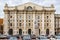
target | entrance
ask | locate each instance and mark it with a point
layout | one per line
(29, 31)
(47, 32)
(10, 31)
(20, 31)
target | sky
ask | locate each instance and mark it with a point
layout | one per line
(38, 2)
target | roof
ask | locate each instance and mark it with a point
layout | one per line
(57, 15)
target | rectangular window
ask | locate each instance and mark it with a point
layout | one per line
(10, 24)
(47, 24)
(38, 24)
(29, 20)
(29, 17)
(47, 17)
(20, 17)
(29, 24)
(38, 17)
(38, 21)
(10, 16)
(20, 24)
(20, 20)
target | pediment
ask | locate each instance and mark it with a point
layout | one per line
(29, 6)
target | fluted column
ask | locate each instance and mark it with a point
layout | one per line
(52, 31)
(15, 24)
(5, 28)
(24, 23)
(42, 30)
(33, 22)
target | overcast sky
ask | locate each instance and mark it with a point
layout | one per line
(20, 2)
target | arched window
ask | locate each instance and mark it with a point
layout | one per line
(20, 31)
(47, 32)
(29, 31)
(10, 31)
(29, 8)
(39, 31)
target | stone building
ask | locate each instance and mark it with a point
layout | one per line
(29, 18)
(57, 24)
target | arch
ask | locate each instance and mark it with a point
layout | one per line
(29, 31)
(47, 32)
(29, 8)
(10, 31)
(20, 31)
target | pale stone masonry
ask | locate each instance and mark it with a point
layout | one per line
(29, 18)
(57, 24)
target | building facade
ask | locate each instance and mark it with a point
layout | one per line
(57, 24)
(29, 18)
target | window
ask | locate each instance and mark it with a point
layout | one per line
(20, 24)
(20, 17)
(29, 24)
(10, 16)
(38, 24)
(20, 20)
(39, 31)
(29, 8)
(10, 24)
(29, 17)
(29, 20)
(8, 20)
(47, 17)
(38, 17)
(47, 24)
